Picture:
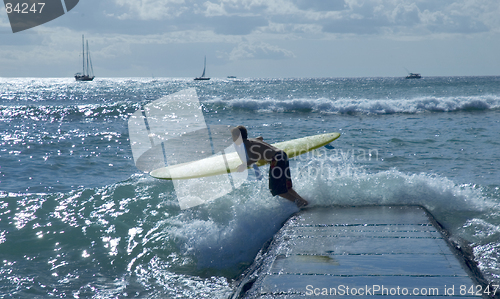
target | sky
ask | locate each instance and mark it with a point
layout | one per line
(260, 39)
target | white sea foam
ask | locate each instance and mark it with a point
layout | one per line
(364, 106)
(225, 235)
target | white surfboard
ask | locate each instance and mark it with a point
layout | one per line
(223, 164)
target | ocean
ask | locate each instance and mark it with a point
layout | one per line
(78, 219)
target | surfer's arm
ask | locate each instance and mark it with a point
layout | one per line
(243, 166)
(242, 153)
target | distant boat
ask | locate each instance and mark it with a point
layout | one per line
(87, 73)
(413, 76)
(231, 77)
(203, 75)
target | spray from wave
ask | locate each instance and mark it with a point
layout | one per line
(223, 236)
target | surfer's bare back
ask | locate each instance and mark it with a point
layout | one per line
(280, 181)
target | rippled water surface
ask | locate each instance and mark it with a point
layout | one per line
(78, 219)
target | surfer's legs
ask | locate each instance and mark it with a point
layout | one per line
(280, 180)
(293, 196)
(297, 196)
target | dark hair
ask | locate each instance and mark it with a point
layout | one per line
(243, 131)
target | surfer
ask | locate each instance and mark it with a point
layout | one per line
(255, 149)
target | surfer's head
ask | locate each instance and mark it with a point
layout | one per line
(239, 131)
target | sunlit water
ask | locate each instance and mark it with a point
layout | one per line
(77, 219)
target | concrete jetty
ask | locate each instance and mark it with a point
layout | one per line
(369, 251)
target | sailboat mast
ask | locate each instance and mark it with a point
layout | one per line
(91, 70)
(83, 56)
(204, 67)
(87, 58)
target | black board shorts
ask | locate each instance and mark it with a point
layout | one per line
(280, 180)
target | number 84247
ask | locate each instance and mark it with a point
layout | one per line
(24, 8)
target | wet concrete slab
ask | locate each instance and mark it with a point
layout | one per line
(367, 251)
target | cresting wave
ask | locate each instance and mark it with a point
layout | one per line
(123, 109)
(361, 106)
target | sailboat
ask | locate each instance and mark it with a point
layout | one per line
(203, 75)
(87, 73)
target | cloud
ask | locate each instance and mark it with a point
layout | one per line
(373, 17)
(243, 29)
(152, 9)
(259, 50)
(233, 25)
(484, 10)
(415, 18)
(320, 5)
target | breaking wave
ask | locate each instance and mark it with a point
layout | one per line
(362, 106)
